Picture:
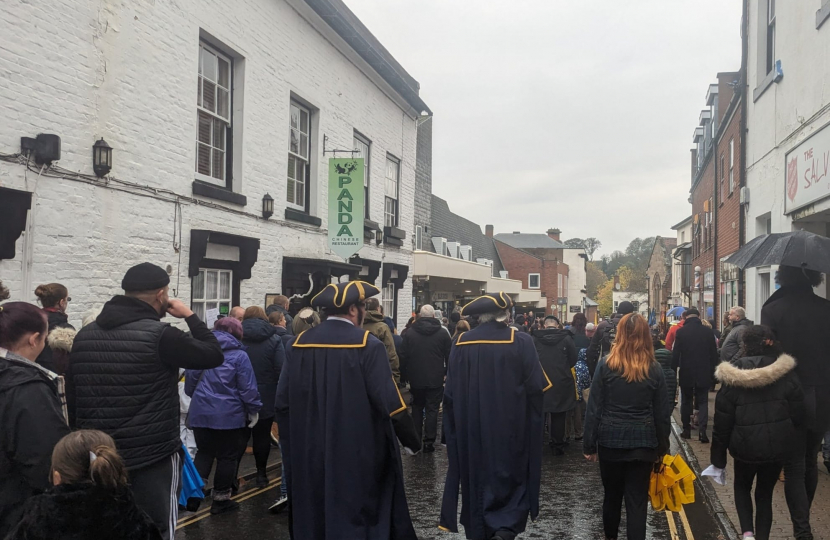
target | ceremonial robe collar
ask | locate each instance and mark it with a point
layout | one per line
(332, 335)
(488, 333)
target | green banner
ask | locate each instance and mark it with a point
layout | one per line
(346, 206)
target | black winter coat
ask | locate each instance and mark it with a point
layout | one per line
(46, 358)
(695, 353)
(627, 415)
(84, 512)
(267, 356)
(289, 320)
(31, 423)
(663, 357)
(757, 409)
(730, 347)
(425, 351)
(581, 341)
(799, 319)
(600, 345)
(558, 355)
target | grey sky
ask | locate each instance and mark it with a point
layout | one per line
(575, 114)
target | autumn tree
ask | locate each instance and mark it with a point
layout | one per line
(595, 279)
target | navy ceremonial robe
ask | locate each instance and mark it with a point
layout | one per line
(493, 424)
(335, 403)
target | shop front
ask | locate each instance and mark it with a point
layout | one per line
(303, 278)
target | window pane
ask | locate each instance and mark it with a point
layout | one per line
(218, 164)
(199, 285)
(292, 167)
(212, 285)
(224, 285)
(304, 121)
(205, 123)
(199, 309)
(304, 146)
(209, 96)
(218, 134)
(300, 194)
(294, 142)
(291, 191)
(222, 103)
(211, 305)
(199, 92)
(224, 73)
(295, 116)
(202, 54)
(203, 159)
(209, 65)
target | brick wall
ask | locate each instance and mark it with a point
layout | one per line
(128, 72)
(704, 254)
(519, 264)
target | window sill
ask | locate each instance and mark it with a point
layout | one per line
(392, 241)
(394, 232)
(773, 76)
(302, 217)
(218, 193)
(822, 14)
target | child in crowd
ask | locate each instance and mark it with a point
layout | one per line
(90, 498)
(582, 379)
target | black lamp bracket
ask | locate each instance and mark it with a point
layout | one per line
(335, 151)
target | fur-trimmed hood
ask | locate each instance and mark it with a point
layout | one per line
(61, 339)
(754, 372)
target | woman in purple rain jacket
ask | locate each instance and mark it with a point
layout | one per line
(224, 400)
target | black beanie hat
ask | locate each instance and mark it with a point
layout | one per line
(145, 277)
(625, 308)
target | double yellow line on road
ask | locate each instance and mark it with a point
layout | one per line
(239, 497)
(687, 528)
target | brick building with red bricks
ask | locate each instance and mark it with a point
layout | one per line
(537, 260)
(715, 196)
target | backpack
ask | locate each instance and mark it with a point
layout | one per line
(608, 337)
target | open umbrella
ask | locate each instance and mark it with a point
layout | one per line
(676, 311)
(801, 249)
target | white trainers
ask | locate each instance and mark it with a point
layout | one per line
(748, 536)
(279, 505)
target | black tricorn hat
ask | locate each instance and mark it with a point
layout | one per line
(344, 294)
(488, 303)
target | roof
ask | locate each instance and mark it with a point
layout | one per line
(529, 241)
(682, 223)
(445, 224)
(589, 302)
(341, 19)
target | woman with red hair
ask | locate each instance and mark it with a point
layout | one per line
(627, 425)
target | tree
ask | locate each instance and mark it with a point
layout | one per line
(575, 243)
(591, 245)
(595, 279)
(605, 298)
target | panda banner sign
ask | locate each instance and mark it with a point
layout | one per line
(346, 206)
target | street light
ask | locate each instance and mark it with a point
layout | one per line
(101, 158)
(267, 206)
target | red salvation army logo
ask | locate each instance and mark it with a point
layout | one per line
(792, 178)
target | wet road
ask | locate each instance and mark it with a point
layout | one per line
(571, 506)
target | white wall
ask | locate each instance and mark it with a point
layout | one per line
(127, 71)
(684, 234)
(784, 115)
(622, 296)
(577, 276)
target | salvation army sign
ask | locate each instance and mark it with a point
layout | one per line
(808, 165)
(346, 206)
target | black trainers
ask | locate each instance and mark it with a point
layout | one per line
(429, 448)
(220, 507)
(703, 438)
(261, 480)
(279, 505)
(687, 434)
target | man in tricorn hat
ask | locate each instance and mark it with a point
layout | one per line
(493, 424)
(339, 410)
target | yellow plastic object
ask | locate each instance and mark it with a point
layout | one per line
(672, 485)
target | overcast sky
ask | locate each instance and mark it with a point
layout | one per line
(577, 114)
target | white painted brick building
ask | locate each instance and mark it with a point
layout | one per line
(129, 72)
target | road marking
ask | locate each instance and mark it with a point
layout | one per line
(685, 520)
(202, 514)
(672, 525)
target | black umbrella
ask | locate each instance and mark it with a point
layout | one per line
(801, 249)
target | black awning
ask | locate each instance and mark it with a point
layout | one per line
(310, 266)
(402, 270)
(248, 251)
(372, 266)
(14, 207)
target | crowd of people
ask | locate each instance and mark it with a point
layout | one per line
(122, 402)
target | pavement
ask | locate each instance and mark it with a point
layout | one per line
(570, 506)
(723, 499)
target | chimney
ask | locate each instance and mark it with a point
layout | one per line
(554, 233)
(488, 230)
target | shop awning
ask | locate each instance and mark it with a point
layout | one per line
(216, 249)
